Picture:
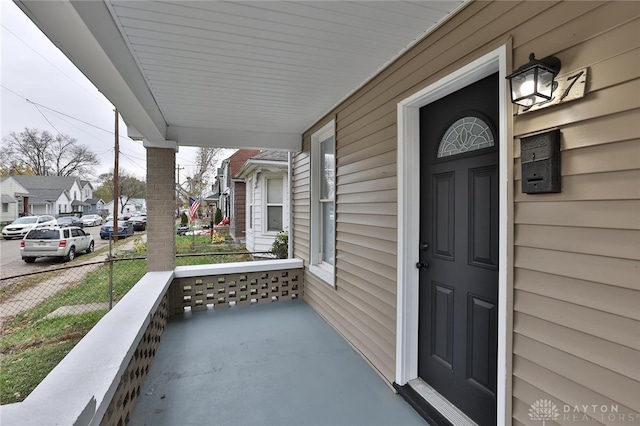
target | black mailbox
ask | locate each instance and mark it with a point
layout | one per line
(540, 156)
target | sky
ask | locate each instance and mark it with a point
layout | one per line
(42, 89)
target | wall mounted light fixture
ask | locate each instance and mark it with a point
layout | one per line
(532, 83)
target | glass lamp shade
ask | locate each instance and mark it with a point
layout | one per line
(532, 83)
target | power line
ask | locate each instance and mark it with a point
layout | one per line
(58, 131)
(70, 116)
(79, 128)
(132, 161)
(38, 105)
(49, 62)
(45, 117)
(132, 158)
(9, 90)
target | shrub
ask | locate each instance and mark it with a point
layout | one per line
(184, 219)
(280, 246)
(217, 238)
(218, 217)
(139, 246)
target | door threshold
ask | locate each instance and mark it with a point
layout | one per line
(435, 408)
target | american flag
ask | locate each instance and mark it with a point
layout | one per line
(194, 205)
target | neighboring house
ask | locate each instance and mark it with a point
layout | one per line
(108, 207)
(53, 202)
(94, 206)
(212, 200)
(136, 205)
(89, 204)
(52, 194)
(233, 192)
(13, 197)
(267, 198)
(460, 289)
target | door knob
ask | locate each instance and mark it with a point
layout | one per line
(422, 265)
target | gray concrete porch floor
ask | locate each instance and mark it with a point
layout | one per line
(276, 364)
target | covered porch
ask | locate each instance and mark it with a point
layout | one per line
(223, 344)
(233, 75)
(273, 364)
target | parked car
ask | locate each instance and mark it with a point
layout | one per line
(70, 221)
(92, 219)
(64, 242)
(139, 223)
(125, 229)
(19, 227)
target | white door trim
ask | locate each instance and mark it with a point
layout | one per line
(409, 218)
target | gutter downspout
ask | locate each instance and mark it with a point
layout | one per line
(290, 191)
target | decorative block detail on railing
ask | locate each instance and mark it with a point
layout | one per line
(200, 293)
(132, 380)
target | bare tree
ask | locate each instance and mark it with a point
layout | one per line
(46, 155)
(10, 166)
(200, 177)
(129, 187)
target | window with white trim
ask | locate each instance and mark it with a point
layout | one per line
(323, 181)
(274, 198)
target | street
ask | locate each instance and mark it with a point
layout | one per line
(11, 264)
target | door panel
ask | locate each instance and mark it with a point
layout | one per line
(444, 215)
(483, 241)
(442, 323)
(459, 243)
(483, 316)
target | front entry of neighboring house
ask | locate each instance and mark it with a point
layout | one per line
(458, 278)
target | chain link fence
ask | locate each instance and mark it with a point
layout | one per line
(44, 314)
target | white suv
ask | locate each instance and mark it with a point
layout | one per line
(55, 242)
(19, 227)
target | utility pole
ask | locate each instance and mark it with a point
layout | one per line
(116, 182)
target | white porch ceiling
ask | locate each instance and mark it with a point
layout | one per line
(238, 74)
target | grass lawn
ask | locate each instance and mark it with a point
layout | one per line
(21, 372)
(32, 343)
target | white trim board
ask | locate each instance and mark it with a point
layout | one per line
(409, 220)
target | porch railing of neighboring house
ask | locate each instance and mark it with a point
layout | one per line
(99, 381)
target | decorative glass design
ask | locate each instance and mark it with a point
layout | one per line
(466, 134)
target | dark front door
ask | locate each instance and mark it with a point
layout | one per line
(459, 248)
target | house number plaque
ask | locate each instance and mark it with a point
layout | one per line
(567, 87)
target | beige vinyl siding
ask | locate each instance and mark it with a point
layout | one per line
(300, 204)
(574, 273)
(576, 337)
(366, 236)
